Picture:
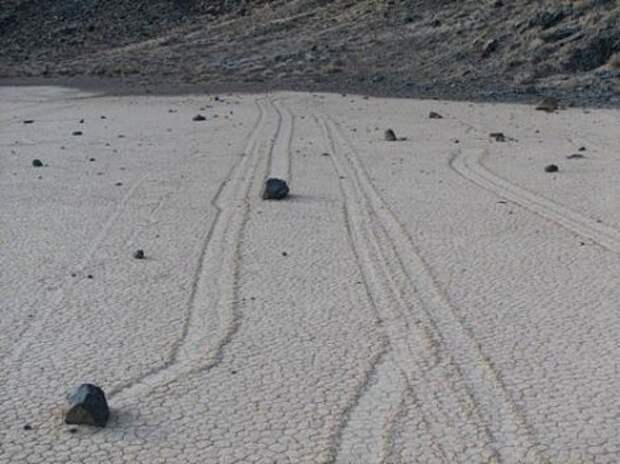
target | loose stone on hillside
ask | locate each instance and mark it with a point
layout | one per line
(390, 136)
(548, 104)
(87, 406)
(29, 121)
(498, 136)
(37, 163)
(575, 156)
(77, 133)
(275, 189)
(434, 115)
(199, 117)
(551, 168)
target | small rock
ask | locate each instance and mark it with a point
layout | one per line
(575, 156)
(77, 133)
(81, 121)
(27, 427)
(275, 189)
(199, 117)
(90, 276)
(551, 168)
(390, 136)
(582, 149)
(325, 154)
(73, 430)
(37, 163)
(92, 159)
(548, 104)
(29, 121)
(489, 48)
(103, 117)
(88, 406)
(498, 136)
(118, 184)
(139, 254)
(434, 115)
(284, 253)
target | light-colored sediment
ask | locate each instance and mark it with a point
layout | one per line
(438, 299)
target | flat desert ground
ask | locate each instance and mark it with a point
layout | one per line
(437, 299)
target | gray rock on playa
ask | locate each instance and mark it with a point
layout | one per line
(87, 406)
(275, 189)
(434, 115)
(199, 117)
(390, 136)
(548, 104)
(37, 163)
(551, 168)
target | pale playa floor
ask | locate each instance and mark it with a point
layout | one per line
(436, 303)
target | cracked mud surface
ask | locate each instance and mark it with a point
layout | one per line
(416, 301)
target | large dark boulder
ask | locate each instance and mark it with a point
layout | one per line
(275, 189)
(87, 406)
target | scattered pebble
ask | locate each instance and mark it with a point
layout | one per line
(139, 254)
(325, 154)
(575, 156)
(118, 184)
(434, 115)
(284, 253)
(89, 276)
(582, 149)
(29, 121)
(498, 136)
(103, 117)
(73, 430)
(199, 117)
(87, 406)
(37, 163)
(389, 136)
(275, 189)
(92, 159)
(81, 121)
(77, 133)
(27, 427)
(551, 168)
(548, 104)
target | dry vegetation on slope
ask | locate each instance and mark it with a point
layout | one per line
(468, 48)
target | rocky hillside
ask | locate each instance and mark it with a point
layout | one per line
(453, 48)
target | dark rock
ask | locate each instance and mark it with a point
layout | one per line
(575, 156)
(275, 189)
(77, 133)
(551, 168)
(489, 48)
(548, 104)
(37, 163)
(582, 149)
(199, 117)
(325, 154)
(27, 427)
(390, 136)
(139, 254)
(434, 115)
(118, 184)
(103, 117)
(547, 19)
(81, 121)
(73, 430)
(90, 276)
(498, 136)
(29, 121)
(87, 406)
(284, 253)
